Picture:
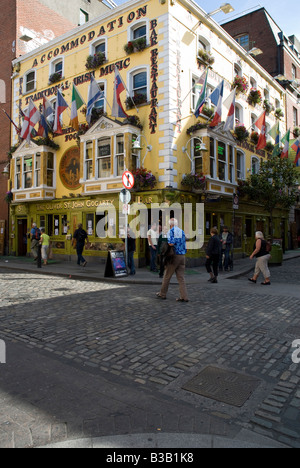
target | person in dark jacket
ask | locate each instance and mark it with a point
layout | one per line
(81, 237)
(226, 239)
(213, 253)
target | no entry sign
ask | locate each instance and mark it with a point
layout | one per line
(128, 180)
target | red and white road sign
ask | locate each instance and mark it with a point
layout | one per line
(128, 180)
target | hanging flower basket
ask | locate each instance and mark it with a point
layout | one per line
(254, 137)
(143, 179)
(279, 113)
(241, 84)
(9, 197)
(241, 133)
(254, 97)
(194, 128)
(268, 107)
(195, 182)
(95, 61)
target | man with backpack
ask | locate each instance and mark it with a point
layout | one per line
(35, 236)
(80, 236)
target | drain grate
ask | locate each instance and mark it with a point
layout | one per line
(223, 385)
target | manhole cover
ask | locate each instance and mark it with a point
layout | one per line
(223, 385)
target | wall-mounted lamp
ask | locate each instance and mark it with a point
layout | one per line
(6, 171)
(138, 147)
(198, 145)
(255, 51)
(225, 7)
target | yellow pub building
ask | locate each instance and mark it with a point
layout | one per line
(161, 49)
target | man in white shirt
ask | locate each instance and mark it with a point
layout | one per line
(152, 241)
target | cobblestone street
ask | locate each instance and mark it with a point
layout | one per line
(122, 333)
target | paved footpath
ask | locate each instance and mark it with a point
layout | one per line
(104, 364)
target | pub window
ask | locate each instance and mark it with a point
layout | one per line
(104, 158)
(90, 224)
(221, 161)
(56, 225)
(134, 155)
(231, 164)
(139, 84)
(50, 170)
(212, 158)
(139, 31)
(240, 165)
(18, 173)
(64, 224)
(119, 158)
(100, 104)
(254, 165)
(50, 225)
(56, 67)
(88, 160)
(30, 81)
(42, 222)
(27, 171)
(37, 170)
(198, 160)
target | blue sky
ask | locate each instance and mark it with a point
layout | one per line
(284, 14)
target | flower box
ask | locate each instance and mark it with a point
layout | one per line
(205, 57)
(136, 45)
(241, 133)
(195, 182)
(55, 77)
(143, 179)
(95, 61)
(137, 99)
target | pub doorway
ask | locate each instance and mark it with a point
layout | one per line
(22, 237)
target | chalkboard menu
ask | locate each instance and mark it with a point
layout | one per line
(116, 264)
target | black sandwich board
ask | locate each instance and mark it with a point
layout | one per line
(116, 264)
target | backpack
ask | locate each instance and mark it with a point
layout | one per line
(268, 247)
(81, 236)
(37, 234)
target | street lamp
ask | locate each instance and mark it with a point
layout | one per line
(255, 51)
(225, 7)
(138, 147)
(6, 171)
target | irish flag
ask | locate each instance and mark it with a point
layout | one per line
(76, 103)
(286, 141)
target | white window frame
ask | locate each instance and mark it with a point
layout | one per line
(37, 171)
(97, 175)
(25, 81)
(88, 160)
(205, 42)
(135, 71)
(104, 84)
(52, 170)
(138, 24)
(117, 155)
(95, 43)
(54, 62)
(243, 162)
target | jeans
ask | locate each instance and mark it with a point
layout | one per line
(79, 249)
(226, 259)
(131, 265)
(153, 253)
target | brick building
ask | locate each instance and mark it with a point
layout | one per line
(26, 25)
(280, 57)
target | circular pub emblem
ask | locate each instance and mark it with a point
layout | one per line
(69, 169)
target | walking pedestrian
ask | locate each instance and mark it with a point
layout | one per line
(152, 241)
(226, 241)
(162, 246)
(262, 254)
(81, 237)
(45, 243)
(176, 239)
(213, 253)
(35, 236)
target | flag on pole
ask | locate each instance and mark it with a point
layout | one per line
(117, 108)
(296, 147)
(94, 94)
(18, 130)
(31, 118)
(275, 134)
(217, 96)
(61, 105)
(202, 84)
(47, 111)
(286, 141)
(261, 125)
(77, 102)
(230, 121)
